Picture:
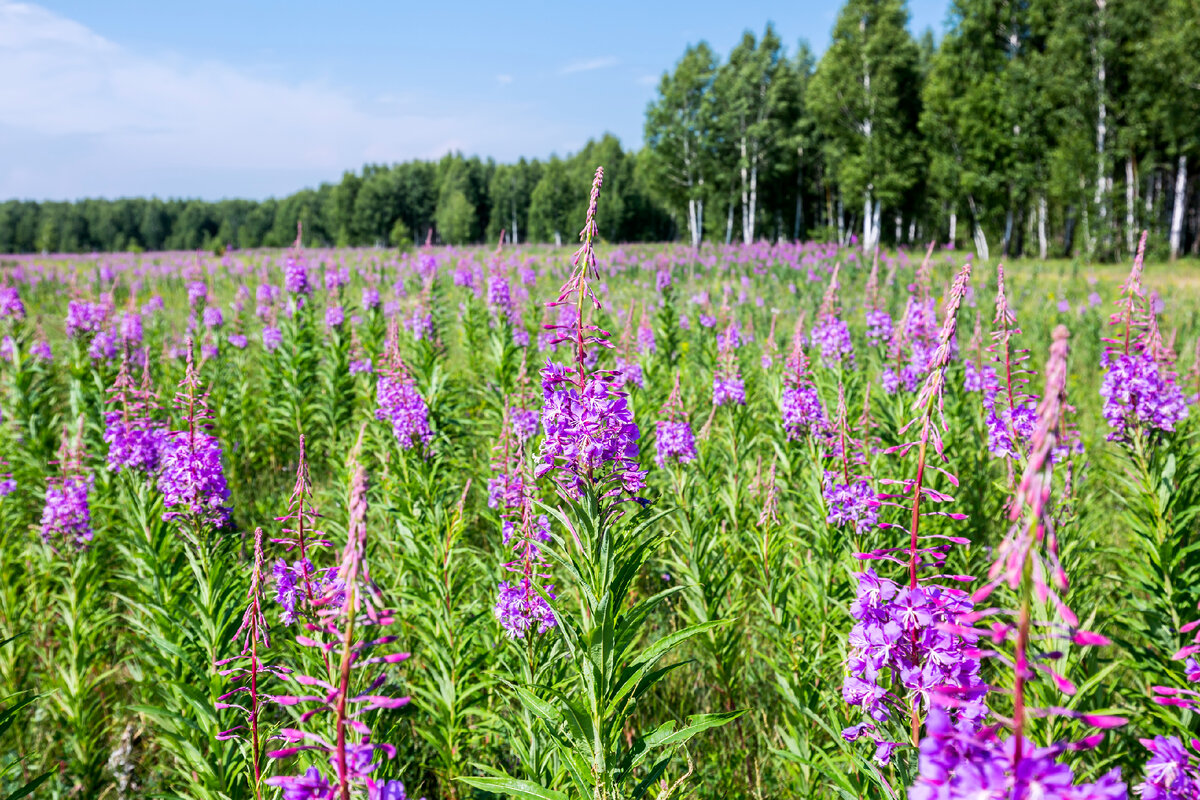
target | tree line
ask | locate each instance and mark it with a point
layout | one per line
(1034, 127)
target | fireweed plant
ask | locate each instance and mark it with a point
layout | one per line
(589, 453)
(964, 753)
(120, 639)
(900, 649)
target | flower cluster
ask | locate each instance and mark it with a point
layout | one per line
(728, 386)
(192, 479)
(1139, 389)
(66, 514)
(902, 637)
(135, 440)
(11, 306)
(960, 764)
(590, 434)
(674, 441)
(829, 332)
(401, 404)
(349, 606)
(800, 404)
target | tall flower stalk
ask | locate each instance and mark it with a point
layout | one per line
(900, 650)
(962, 763)
(590, 452)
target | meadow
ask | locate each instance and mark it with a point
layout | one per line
(749, 521)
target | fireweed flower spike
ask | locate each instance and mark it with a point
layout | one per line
(900, 628)
(1139, 390)
(800, 404)
(589, 427)
(135, 441)
(350, 604)
(301, 582)
(247, 668)
(1010, 410)
(192, 480)
(66, 515)
(673, 439)
(830, 332)
(400, 402)
(728, 386)
(849, 498)
(956, 763)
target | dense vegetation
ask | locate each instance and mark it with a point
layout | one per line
(1036, 127)
(797, 513)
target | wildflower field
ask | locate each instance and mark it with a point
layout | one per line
(755, 521)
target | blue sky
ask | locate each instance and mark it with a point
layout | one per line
(241, 99)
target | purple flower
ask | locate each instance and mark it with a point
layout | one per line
(401, 404)
(524, 422)
(879, 327)
(802, 412)
(11, 306)
(1170, 773)
(662, 280)
(66, 515)
(334, 317)
(589, 434)
(103, 346)
(295, 276)
(370, 297)
(645, 339)
(309, 786)
(852, 503)
(192, 479)
(362, 365)
(130, 328)
(197, 293)
(271, 338)
(136, 444)
(728, 389)
(41, 349)
(1138, 395)
(84, 318)
(213, 318)
(628, 372)
(238, 340)
(833, 337)
(674, 442)
(520, 609)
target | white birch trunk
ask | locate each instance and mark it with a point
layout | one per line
(745, 192)
(748, 223)
(953, 226)
(729, 225)
(558, 238)
(1043, 248)
(692, 224)
(981, 245)
(867, 233)
(876, 228)
(1178, 209)
(1101, 125)
(1130, 202)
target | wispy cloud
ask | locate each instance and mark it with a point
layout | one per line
(92, 117)
(504, 80)
(648, 80)
(589, 65)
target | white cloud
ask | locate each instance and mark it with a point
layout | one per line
(648, 80)
(504, 80)
(589, 65)
(82, 115)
